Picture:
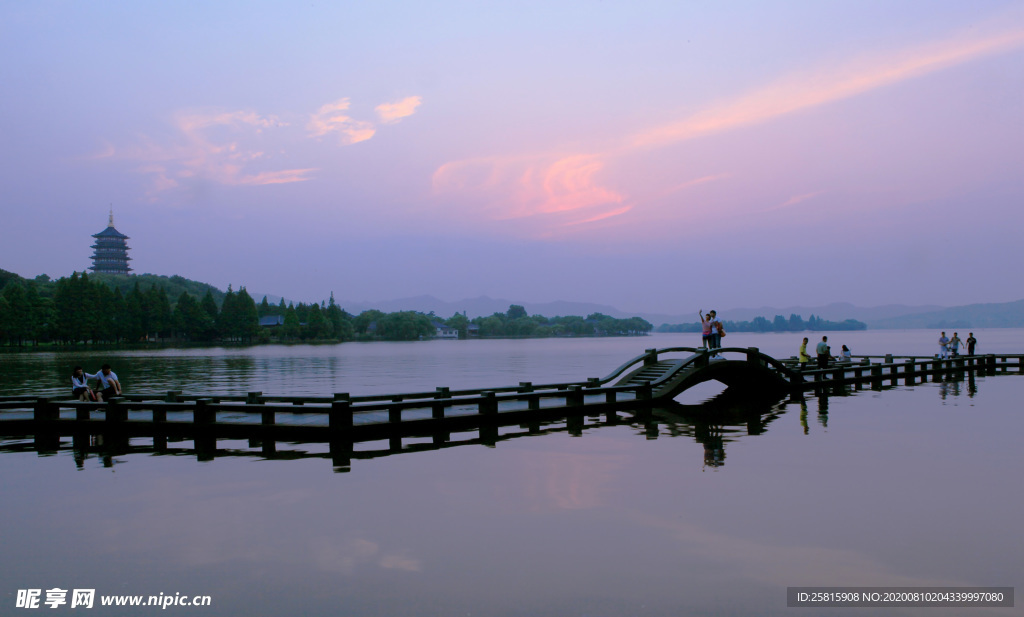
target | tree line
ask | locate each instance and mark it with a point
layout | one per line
(87, 308)
(795, 323)
(517, 323)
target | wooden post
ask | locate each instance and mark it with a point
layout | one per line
(341, 455)
(45, 410)
(838, 376)
(82, 413)
(574, 424)
(172, 396)
(526, 386)
(253, 398)
(115, 412)
(574, 396)
(990, 364)
(437, 409)
(908, 372)
(643, 391)
(489, 405)
(202, 414)
(876, 376)
(609, 396)
(593, 382)
(754, 355)
(342, 396)
(159, 415)
(340, 416)
(651, 358)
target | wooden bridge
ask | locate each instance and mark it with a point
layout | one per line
(653, 378)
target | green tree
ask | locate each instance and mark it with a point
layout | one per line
(404, 326)
(460, 322)
(515, 311)
(366, 321)
(291, 327)
(19, 321)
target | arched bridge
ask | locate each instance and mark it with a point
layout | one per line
(745, 368)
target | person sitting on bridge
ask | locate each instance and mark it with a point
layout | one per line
(824, 352)
(80, 385)
(845, 355)
(108, 381)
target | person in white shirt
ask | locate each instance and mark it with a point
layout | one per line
(80, 385)
(111, 387)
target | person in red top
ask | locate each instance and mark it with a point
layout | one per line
(705, 327)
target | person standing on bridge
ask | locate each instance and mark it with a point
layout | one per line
(705, 328)
(717, 331)
(943, 347)
(824, 352)
(954, 344)
(971, 342)
(804, 358)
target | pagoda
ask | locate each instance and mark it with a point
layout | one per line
(111, 251)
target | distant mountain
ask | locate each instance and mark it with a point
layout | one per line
(1000, 315)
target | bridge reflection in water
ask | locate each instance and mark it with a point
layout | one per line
(712, 424)
(638, 394)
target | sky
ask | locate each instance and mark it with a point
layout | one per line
(651, 156)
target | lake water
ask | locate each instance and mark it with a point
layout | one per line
(715, 512)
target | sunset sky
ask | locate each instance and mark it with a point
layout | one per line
(654, 156)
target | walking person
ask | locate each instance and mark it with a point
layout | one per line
(943, 347)
(954, 345)
(971, 342)
(803, 358)
(824, 352)
(109, 383)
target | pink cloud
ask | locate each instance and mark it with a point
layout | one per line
(579, 184)
(827, 85)
(528, 186)
(207, 148)
(389, 113)
(330, 119)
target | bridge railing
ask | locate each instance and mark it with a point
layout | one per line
(701, 357)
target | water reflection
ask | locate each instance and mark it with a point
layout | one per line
(712, 424)
(719, 421)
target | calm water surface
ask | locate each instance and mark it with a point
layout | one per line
(715, 512)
